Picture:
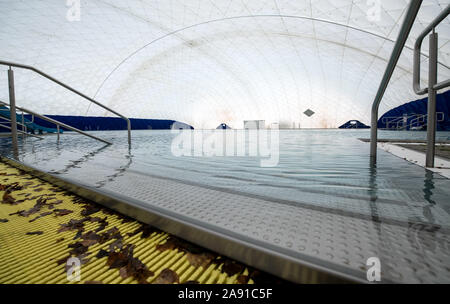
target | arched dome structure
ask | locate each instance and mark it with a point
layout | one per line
(205, 62)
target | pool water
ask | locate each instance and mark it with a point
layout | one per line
(319, 170)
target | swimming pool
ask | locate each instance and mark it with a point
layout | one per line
(321, 204)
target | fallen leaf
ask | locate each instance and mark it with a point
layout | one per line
(167, 276)
(123, 272)
(3, 220)
(199, 260)
(231, 268)
(90, 209)
(93, 282)
(34, 233)
(101, 254)
(41, 215)
(242, 279)
(78, 248)
(8, 199)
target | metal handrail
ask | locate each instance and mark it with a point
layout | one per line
(417, 54)
(405, 29)
(58, 123)
(27, 67)
(22, 132)
(421, 118)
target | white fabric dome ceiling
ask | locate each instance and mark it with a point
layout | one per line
(213, 61)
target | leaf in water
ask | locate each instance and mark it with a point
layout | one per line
(167, 276)
(34, 233)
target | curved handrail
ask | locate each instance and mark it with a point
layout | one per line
(27, 67)
(417, 52)
(410, 16)
(58, 123)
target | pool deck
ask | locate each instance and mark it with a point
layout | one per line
(415, 155)
(42, 226)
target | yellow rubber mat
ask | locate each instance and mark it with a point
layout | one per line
(45, 233)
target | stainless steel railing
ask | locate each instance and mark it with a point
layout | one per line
(411, 13)
(433, 85)
(59, 124)
(13, 106)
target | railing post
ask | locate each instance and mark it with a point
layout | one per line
(23, 126)
(431, 109)
(57, 132)
(12, 110)
(129, 133)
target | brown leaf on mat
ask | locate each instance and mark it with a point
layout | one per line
(242, 279)
(102, 253)
(117, 260)
(90, 209)
(3, 220)
(59, 240)
(93, 282)
(72, 225)
(117, 244)
(34, 233)
(78, 248)
(201, 259)
(8, 199)
(36, 208)
(167, 276)
(176, 243)
(231, 268)
(123, 272)
(129, 266)
(40, 215)
(61, 212)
